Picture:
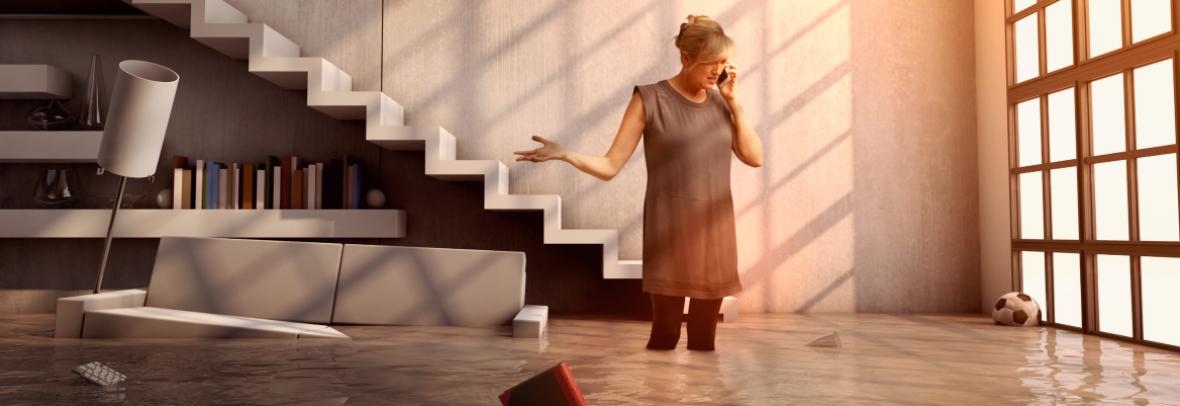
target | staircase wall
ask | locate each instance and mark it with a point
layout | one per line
(868, 199)
(224, 113)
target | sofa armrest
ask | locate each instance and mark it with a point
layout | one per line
(70, 310)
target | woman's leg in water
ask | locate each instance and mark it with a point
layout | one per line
(666, 314)
(702, 323)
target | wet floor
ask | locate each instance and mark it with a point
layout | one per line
(761, 360)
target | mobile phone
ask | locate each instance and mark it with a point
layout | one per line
(724, 75)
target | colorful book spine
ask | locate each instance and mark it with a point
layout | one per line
(212, 184)
(286, 182)
(311, 191)
(234, 185)
(354, 186)
(276, 187)
(260, 192)
(248, 186)
(271, 163)
(186, 189)
(177, 188)
(319, 185)
(179, 162)
(297, 190)
(223, 188)
(199, 185)
(333, 186)
(344, 201)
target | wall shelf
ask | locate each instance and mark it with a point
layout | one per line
(156, 223)
(49, 146)
(34, 82)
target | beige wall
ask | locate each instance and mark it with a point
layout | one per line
(869, 198)
(995, 244)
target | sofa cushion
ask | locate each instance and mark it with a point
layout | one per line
(280, 280)
(416, 286)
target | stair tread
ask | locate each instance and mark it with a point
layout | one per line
(356, 104)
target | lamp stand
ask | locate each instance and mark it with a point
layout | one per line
(106, 246)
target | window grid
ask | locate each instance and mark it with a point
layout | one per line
(1077, 75)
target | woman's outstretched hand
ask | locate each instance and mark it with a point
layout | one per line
(548, 150)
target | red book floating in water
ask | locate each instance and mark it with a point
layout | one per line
(555, 386)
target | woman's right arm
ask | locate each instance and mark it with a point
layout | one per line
(602, 167)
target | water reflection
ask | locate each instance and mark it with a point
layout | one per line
(762, 359)
(1072, 367)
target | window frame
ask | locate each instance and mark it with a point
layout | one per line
(1078, 76)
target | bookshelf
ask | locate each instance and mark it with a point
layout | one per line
(156, 223)
(82, 147)
(50, 146)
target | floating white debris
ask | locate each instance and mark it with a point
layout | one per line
(101, 375)
(830, 340)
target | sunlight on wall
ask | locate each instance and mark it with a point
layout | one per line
(794, 223)
(494, 73)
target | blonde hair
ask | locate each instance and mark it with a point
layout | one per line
(703, 39)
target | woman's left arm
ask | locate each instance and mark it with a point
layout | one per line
(746, 144)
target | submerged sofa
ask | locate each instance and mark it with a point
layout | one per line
(214, 287)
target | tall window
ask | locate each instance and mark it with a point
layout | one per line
(1092, 96)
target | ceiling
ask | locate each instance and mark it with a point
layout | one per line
(97, 7)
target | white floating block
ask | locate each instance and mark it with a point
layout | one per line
(728, 312)
(729, 309)
(530, 322)
(387, 285)
(34, 82)
(70, 310)
(279, 280)
(831, 340)
(50, 146)
(154, 322)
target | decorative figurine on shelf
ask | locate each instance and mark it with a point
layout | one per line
(58, 188)
(164, 199)
(90, 118)
(52, 115)
(375, 198)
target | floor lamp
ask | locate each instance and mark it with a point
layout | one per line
(137, 119)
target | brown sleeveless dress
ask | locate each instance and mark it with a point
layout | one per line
(689, 239)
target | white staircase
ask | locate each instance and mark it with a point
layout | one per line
(329, 90)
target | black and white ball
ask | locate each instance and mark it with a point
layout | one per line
(1016, 309)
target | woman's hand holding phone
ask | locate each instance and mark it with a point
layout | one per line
(727, 81)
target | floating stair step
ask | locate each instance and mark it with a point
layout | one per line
(277, 59)
(184, 13)
(302, 73)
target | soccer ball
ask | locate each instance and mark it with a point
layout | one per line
(1016, 309)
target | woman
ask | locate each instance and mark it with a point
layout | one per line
(689, 242)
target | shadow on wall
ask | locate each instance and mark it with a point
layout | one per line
(865, 200)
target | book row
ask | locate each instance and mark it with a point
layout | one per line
(276, 183)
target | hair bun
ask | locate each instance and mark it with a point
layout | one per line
(702, 36)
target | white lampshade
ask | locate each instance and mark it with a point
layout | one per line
(137, 118)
